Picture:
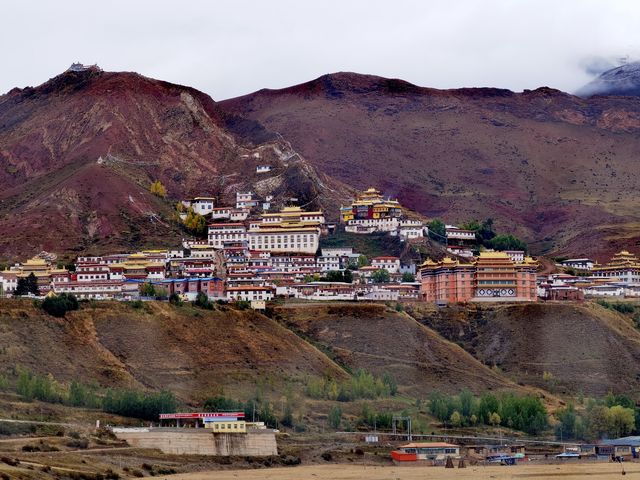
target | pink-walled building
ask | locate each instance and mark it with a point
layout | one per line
(493, 276)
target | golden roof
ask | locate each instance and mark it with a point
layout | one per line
(493, 255)
(622, 259)
(36, 262)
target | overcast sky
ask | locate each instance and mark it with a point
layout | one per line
(229, 48)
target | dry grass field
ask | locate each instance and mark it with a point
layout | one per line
(600, 471)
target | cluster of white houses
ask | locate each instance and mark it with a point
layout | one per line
(620, 277)
(254, 254)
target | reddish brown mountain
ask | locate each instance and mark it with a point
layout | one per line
(78, 154)
(558, 170)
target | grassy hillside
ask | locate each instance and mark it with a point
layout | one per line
(193, 352)
(381, 340)
(561, 349)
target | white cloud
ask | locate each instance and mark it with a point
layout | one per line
(229, 48)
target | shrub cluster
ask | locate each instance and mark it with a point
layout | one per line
(59, 305)
(525, 413)
(360, 385)
(131, 403)
(128, 403)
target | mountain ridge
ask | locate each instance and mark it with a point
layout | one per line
(546, 165)
(129, 130)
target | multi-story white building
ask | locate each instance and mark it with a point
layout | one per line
(239, 214)
(328, 263)
(203, 205)
(250, 293)
(410, 229)
(96, 289)
(245, 200)
(221, 213)
(583, 264)
(390, 264)
(89, 272)
(8, 282)
(370, 225)
(517, 256)
(285, 239)
(219, 233)
(291, 230)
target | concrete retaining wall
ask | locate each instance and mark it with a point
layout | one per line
(187, 441)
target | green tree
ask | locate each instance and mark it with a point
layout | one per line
(408, 277)
(363, 261)
(390, 383)
(621, 421)
(348, 276)
(488, 404)
(335, 417)
(287, 416)
(467, 403)
(158, 189)
(174, 299)
(202, 301)
(597, 417)
(334, 276)
(567, 418)
(507, 242)
(59, 305)
(494, 419)
(456, 419)
(147, 289)
(486, 232)
(380, 276)
(27, 285)
(437, 230)
(473, 225)
(439, 406)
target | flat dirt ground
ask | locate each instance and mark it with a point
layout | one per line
(574, 471)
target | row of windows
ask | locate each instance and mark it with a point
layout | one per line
(229, 426)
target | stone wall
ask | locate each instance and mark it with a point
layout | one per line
(194, 441)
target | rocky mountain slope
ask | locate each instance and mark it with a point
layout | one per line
(623, 80)
(80, 152)
(558, 170)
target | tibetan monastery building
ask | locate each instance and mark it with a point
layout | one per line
(624, 267)
(493, 276)
(370, 212)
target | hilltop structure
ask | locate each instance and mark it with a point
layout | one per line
(370, 212)
(493, 276)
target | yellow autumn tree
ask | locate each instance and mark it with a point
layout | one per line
(158, 189)
(195, 223)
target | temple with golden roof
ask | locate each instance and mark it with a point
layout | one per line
(371, 212)
(623, 267)
(493, 276)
